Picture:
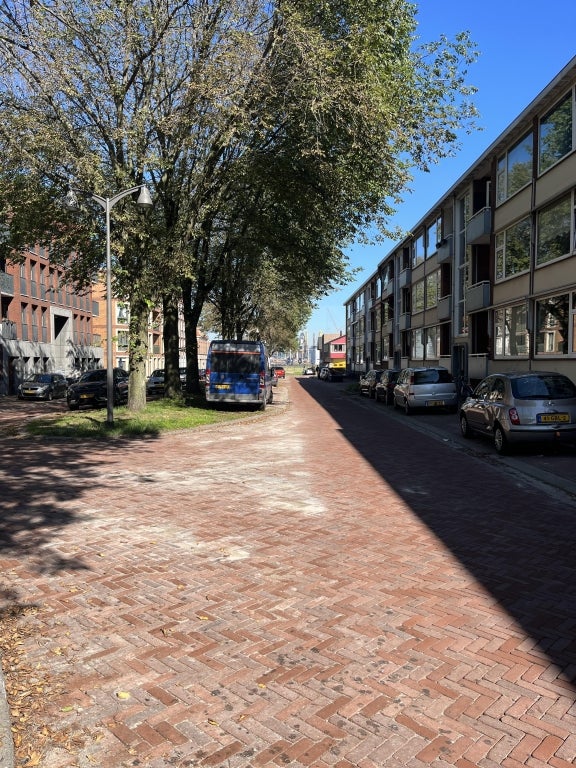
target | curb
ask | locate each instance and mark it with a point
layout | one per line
(6, 741)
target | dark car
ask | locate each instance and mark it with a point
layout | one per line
(155, 383)
(92, 389)
(521, 408)
(43, 386)
(331, 374)
(369, 380)
(384, 390)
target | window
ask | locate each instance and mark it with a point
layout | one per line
(432, 283)
(513, 250)
(418, 250)
(514, 169)
(553, 239)
(426, 343)
(556, 133)
(510, 332)
(122, 339)
(122, 313)
(418, 296)
(553, 326)
(433, 237)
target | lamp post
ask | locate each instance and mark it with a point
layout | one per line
(107, 203)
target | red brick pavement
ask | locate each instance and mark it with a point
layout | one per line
(265, 597)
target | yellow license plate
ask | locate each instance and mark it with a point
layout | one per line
(222, 386)
(434, 403)
(85, 397)
(553, 418)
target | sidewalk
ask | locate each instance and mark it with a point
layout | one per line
(263, 594)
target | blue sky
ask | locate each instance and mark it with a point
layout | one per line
(523, 45)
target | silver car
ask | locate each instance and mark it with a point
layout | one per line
(427, 388)
(522, 407)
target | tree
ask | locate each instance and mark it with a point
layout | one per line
(285, 127)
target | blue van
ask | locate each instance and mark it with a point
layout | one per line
(238, 372)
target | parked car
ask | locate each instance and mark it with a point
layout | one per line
(155, 383)
(431, 387)
(92, 389)
(331, 374)
(280, 371)
(384, 389)
(308, 371)
(521, 407)
(43, 386)
(274, 377)
(369, 380)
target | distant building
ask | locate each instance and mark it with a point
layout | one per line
(332, 350)
(45, 324)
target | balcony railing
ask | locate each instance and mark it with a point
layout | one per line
(479, 227)
(6, 284)
(445, 249)
(444, 308)
(478, 296)
(405, 277)
(405, 321)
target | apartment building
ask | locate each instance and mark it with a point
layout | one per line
(45, 324)
(487, 279)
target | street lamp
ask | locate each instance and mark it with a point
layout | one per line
(107, 203)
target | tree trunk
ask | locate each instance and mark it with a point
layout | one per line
(193, 303)
(172, 385)
(138, 353)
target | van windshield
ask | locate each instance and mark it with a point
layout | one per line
(235, 362)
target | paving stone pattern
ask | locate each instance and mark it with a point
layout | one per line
(277, 592)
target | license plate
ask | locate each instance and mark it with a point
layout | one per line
(29, 392)
(222, 386)
(553, 418)
(434, 403)
(85, 397)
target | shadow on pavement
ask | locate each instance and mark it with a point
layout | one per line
(515, 541)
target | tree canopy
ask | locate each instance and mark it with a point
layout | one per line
(270, 134)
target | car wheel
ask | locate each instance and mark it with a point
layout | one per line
(464, 428)
(407, 409)
(500, 442)
(50, 396)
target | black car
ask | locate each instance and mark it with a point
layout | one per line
(369, 380)
(384, 389)
(92, 389)
(43, 386)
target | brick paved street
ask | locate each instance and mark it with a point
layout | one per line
(280, 592)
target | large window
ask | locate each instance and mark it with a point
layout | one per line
(555, 139)
(418, 296)
(553, 239)
(418, 250)
(511, 338)
(553, 325)
(432, 287)
(513, 250)
(426, 343)
(514, 169)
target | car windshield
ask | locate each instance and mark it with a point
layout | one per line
(40, 378)
(159, 373)
(97, 375)
(432, 376)
(537, 387)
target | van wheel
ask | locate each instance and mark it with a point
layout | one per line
(263, 404)
(271, 398)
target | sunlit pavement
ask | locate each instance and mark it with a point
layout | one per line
(279, 591)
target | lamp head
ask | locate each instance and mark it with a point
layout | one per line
(71, 201)
(144, 198)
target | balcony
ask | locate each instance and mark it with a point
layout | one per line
(387, 328)
(405, 277)
(388, 289)
(6, 284)
(478, 296)
(405, 321)
(445, 249)
(479, 227)
(444, 308)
